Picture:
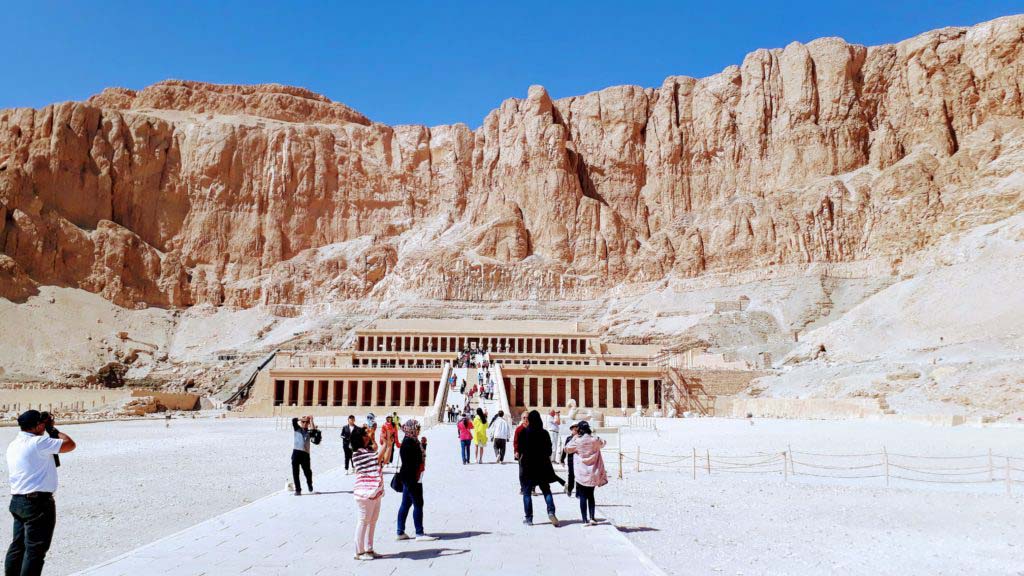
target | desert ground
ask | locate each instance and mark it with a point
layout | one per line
(130, 483)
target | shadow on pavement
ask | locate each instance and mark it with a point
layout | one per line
(427, 554)
(328, 493)
(458, 535)
(631, 529)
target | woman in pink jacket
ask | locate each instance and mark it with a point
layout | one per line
(465, 428)
(589, 468)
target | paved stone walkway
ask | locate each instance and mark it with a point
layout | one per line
(475, 511)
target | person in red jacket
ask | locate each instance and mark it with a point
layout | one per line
(515, 446)
(515, 435)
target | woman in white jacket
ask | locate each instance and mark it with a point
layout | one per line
(589, 469)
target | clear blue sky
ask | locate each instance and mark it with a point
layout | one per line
(425, 62)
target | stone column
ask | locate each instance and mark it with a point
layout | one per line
(416, 393)
(387, 393)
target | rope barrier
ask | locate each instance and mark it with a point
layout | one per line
(939, 457)
(946, 481)
(968, 470)
(768, 463)
(750, 471)
(824, 467)
(974, 473)
(837, 455)
(841, 477)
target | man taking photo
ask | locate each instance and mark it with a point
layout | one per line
(33, 477)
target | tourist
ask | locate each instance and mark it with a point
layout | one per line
(346, 440)
(305, 432)
(411, 472)
(371, 430)
(570, 483)
(388, 439)
(465, 431)
(535, 466)
(500, 432)
(480, 434)
(590, 470)
(515, 435)
(32, 473)
(368, 492)
(554, 424)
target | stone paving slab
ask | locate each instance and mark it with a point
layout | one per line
(475, 511)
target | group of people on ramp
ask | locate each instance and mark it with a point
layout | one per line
(532, 445)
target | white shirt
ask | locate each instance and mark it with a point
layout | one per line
(30, 463)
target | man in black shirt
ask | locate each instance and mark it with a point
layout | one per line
(346, 438)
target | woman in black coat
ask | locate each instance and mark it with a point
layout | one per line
(411, 473)
(535, 468)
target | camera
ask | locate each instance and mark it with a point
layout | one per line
(51, 431)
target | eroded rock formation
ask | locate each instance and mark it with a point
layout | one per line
(185, 193)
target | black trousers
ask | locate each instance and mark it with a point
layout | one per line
(571, 481)
(300, 459)
(586, 496)
(348, 456)
(499, 448)
(34, 520)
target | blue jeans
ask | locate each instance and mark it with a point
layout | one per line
(465, 450)
(528, 499)
(412, 497)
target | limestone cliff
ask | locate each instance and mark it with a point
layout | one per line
(186, 193)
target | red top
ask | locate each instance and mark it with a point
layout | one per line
(388, 434)
(465, 432)
(515, 438)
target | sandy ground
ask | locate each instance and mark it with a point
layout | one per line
(762, 524)
(132, 482)
(129, 483)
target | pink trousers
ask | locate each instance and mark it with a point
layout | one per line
(367, 512)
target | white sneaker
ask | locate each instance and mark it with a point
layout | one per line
(425, 538)
(403, 537)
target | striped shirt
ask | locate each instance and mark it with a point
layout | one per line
(369, 475)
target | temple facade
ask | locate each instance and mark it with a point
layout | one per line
(400, 365)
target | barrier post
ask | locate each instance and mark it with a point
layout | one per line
(885, 461)
(785, 466)
(694, 463)
(620, 463)
(707, 452)
(637, 457)
(991, 471)
(1009, 479)
(789, 450)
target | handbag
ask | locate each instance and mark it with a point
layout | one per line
(396, 483)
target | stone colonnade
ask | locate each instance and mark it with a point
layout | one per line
(354, 392)
(551, 391)
(508, 344)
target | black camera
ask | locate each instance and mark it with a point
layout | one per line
(51, 431)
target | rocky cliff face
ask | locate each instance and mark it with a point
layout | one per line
(186, 193)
